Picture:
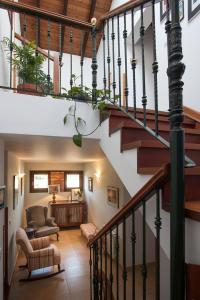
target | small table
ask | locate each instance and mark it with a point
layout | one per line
(30, 232)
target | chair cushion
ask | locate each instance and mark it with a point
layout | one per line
(37, 215)
(23, 241)
(46, 230)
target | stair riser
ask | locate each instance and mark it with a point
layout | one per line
(192, 193)
(155, 158)
(129, 135)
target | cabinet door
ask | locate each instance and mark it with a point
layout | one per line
(75, 215)
(61, 216)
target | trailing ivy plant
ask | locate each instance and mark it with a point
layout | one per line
(83, 93)
(28, 64)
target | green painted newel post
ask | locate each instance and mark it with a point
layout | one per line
(175, 72)
(94, 60)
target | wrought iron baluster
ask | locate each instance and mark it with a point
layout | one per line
(111, 269)
(106, 267)
(24, 35)
(113, 59)
(144, 267)
(96, 271)
(144, 97)
(81, 59)
(101, 268)
(175, 72)
(119, 62)
(91, 276)
(11, 46)
(126, 92)
(60, 56)
(157, 256)
(133, 242)
(167, 30)
(36, 48)
(133, 61)
(117, 262)
(94, 62)
(155, 67)
(124, 275)
(108, 59)
(49, 45)
(71, 58)
(104, 60)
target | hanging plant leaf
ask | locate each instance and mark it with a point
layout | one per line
(65, 119)
(77, 139)
(80, 122)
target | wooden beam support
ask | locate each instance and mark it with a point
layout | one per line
(56, 74)
(86, 34)
(63, 26)
(45, 14)
(23, 40)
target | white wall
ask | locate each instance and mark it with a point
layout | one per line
(44, 198)
(14, 167)
(43, 116)
(100, 212)
(2, 182)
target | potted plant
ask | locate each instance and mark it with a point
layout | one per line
(32, 79)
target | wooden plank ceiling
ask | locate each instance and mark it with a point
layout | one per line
(78, 9)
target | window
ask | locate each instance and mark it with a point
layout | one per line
(39, 181)
(73, 180)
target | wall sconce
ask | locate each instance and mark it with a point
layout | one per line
(21, 175)
(97, 175)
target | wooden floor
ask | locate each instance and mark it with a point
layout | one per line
(73, 284)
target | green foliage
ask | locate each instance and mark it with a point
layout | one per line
(84, 93)
(28, 64)
(77, 139)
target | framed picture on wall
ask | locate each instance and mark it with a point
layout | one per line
(113, 196)
(193, 8)
(15, 191)
(90, 184)
(2, 196)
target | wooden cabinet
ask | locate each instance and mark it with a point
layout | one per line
(68, 214)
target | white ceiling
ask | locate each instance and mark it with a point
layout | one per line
(51, 149)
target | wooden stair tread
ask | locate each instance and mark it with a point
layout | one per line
(161, 118)
(155, 144)
(193, 205)
(192, 210)
(131, 109)
(188, 171)
(161, 128)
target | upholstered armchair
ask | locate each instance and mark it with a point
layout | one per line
(39, 253)
(37, 219)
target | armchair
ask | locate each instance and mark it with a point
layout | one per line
(39, 254)
(37, 218)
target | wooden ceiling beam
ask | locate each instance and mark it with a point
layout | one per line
(86, 34)
(63, 26)
(45, 14)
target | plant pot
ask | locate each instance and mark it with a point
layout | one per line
(81, 98)
(30, 89)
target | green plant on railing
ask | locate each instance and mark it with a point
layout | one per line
(83, 93)
(28, 64)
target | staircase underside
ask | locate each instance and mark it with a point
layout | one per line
(151, 154)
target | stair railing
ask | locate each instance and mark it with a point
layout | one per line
(105, 270)
(115, 57)
(40, 26)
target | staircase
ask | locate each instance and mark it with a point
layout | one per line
(152, 155)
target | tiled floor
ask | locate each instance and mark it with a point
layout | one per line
(73, 284)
